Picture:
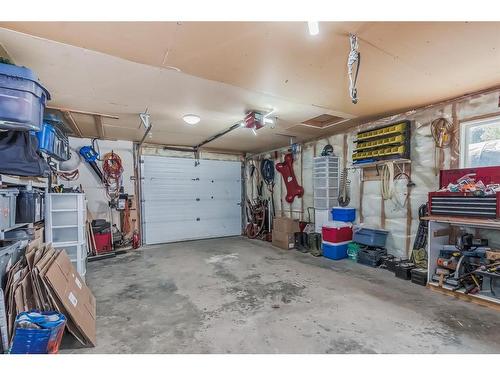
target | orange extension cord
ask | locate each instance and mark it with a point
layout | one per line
(112, 169)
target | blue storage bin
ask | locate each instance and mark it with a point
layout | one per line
(370, 237)
(347, 214)
(38, 332)
(22, 99)
(53, 142)
(335, 251)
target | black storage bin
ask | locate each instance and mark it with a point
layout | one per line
(370, 256)
(403, 270)
(419, 276)
(392, 263)
(30, 206)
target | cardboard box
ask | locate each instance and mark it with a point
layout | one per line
(285, 225)
(75, 297)
(283, 240)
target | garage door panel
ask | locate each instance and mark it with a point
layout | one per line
(181, 201)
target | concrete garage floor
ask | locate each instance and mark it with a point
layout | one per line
(235, 295)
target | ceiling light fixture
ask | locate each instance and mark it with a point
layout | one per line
(191, 119)
(313, 27)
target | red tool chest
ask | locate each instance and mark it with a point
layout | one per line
(446, 203)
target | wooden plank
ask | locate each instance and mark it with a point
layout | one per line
(409, 221)
(73, 124)
(344, 152)
(485, 223)
(382, 213)
(480, 117)
(361, 192)
(302, 182)
(380, 162)
(5, 54)
(99, 127)
(466, 297)
(455, 138)
(82, 112)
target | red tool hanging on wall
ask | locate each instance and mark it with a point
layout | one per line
(293, 189)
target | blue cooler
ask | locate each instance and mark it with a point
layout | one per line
(335, 251)
(347, 214)
(22, 99)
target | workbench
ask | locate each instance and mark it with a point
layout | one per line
(440, 229)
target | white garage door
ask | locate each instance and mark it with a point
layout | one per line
(181, 201)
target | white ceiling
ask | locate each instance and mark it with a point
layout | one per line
(229, 68)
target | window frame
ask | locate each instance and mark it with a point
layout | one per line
(465, 126)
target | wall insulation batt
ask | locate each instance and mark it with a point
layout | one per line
(402, 222)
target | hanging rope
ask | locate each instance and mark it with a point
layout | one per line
(387, 180)
(112, 170)
(441, 132)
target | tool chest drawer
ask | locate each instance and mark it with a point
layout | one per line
(464, 204)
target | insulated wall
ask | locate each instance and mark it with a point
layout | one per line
(426, 160)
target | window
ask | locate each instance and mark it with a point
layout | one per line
(480, 143)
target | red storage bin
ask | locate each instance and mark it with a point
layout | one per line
(337, 234)
(103, 242)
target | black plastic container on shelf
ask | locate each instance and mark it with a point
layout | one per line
(30, 206)
(52, 141)
(370, 256)
(419, 276)
(403, 270)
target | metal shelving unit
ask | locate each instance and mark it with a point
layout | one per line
(25, 182)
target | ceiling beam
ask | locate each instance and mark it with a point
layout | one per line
(5, 54)
(73, 123)
(99, 127)
(82, 112)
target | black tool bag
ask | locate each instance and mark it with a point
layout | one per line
(19, 156)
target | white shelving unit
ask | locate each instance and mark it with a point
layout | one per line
(325, 182)
(65, 220)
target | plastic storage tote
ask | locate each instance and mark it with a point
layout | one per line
(371, 257)
(370, 237)
(337, 234)
(8, 208)
(53, 142)
(346, 214)
(335, 251)
(38, 332)
(22, 98)
(29, 207)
